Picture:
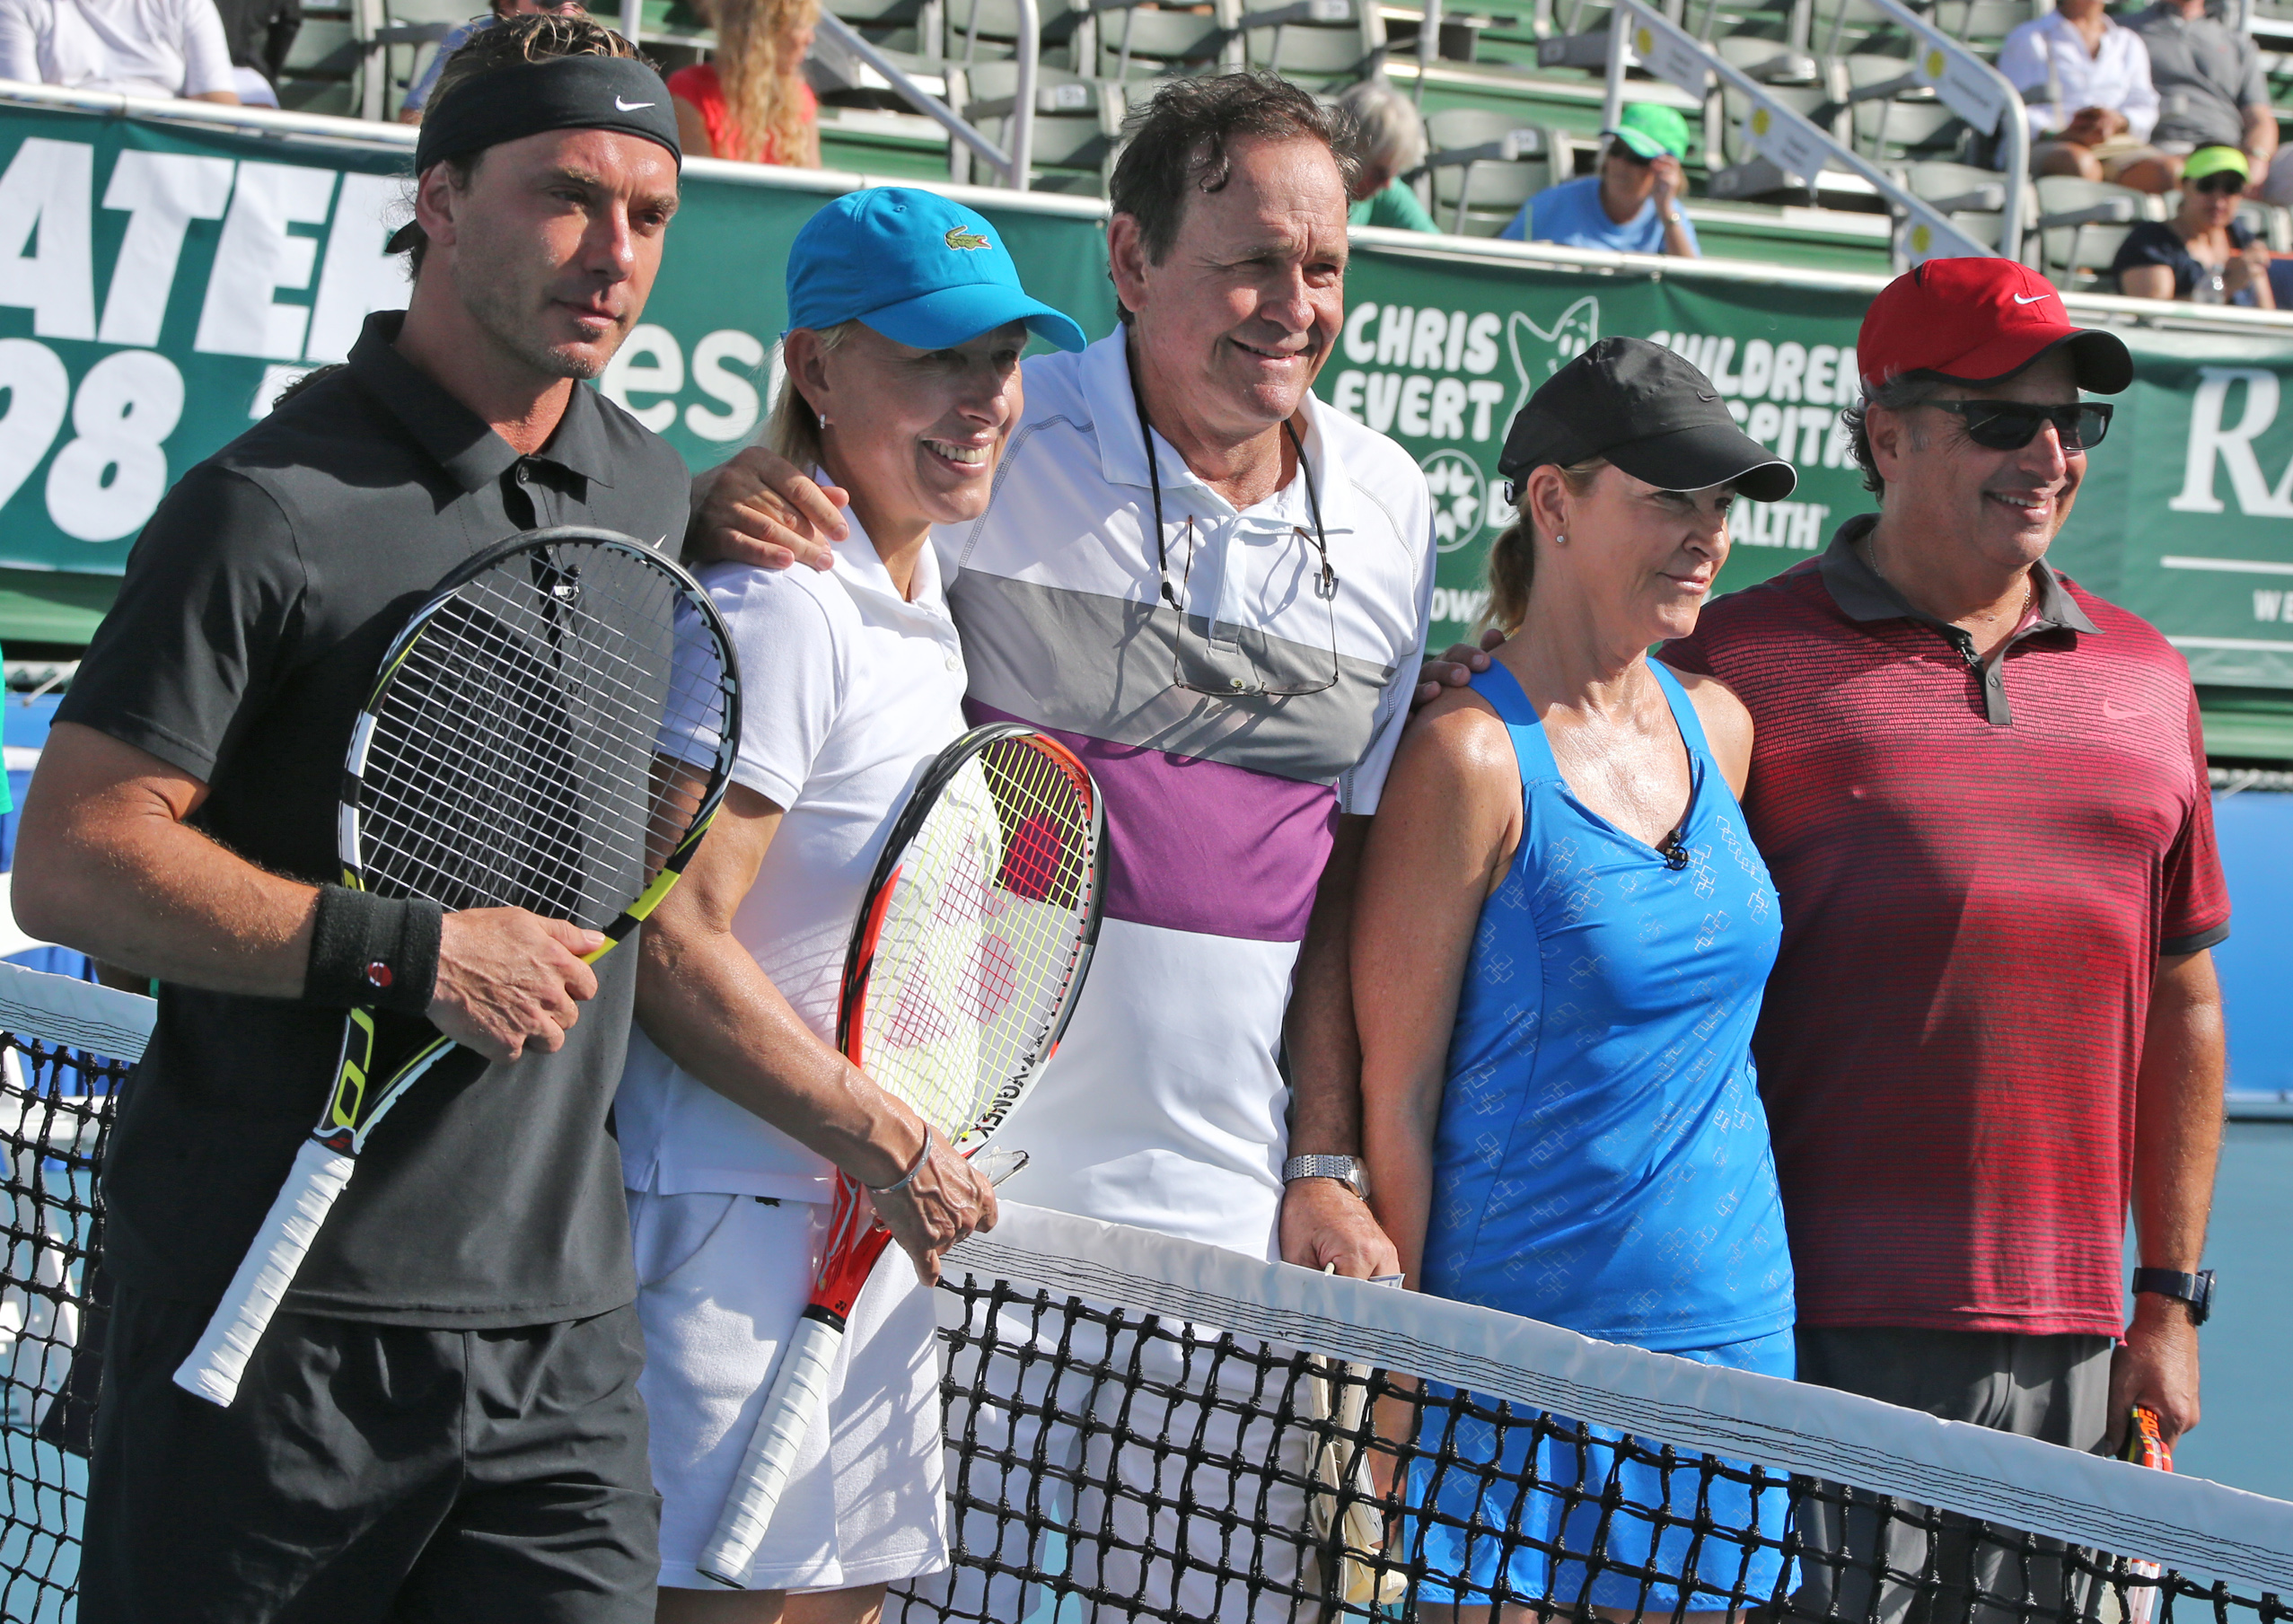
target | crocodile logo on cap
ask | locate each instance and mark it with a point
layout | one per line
(963, 237)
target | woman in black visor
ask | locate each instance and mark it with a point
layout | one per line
(1560, 947)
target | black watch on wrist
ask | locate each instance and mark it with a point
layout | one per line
(2196, 1290)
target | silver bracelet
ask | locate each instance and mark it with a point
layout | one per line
(904, 1180)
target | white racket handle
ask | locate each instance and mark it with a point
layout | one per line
(799, 1391)
(215, 1366)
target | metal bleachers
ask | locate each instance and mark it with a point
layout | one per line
(400, 48)
(1137, 39)
(1077, 125)
(1513, 98)
(323, 66)
(1324, 45)
(1482, 166)
(2080, 225)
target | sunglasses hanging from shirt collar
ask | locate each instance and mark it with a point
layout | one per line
(2011, 424)
(1206, 670)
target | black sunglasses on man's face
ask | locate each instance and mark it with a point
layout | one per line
(2224, 184)
(2011, 424)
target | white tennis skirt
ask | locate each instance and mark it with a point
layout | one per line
(721, 1282)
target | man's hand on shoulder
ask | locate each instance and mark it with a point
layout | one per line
(1454, 669)
(760, 508)
(1325, 1223)
(509, 981)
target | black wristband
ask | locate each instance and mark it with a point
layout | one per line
(369, 953)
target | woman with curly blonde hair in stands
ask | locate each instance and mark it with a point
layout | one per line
(752, 103)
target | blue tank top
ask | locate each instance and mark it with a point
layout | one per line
(1602, 1161)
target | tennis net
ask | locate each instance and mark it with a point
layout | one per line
(1144, 1428)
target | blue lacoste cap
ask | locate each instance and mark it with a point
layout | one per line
(919, 269)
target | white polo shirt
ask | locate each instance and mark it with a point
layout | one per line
(136, 48)
(1164, 1106)
(848, 692)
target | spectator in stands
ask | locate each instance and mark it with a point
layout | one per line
(132, 47)
(2204, 254)
(1632, 205)
(2210, 91)
(260, 32)
(1560, 1116)
(1388, 142)
(2085, 83)
(752, 103)
(418, 95)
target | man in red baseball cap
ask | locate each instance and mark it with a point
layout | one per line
(1993, 1027)
(1981, 321)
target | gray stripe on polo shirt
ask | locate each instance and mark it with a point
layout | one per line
(1084, 663)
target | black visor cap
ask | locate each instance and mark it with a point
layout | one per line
(1650, 413)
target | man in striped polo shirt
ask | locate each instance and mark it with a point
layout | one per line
(1214, 587)
(1994, 1025)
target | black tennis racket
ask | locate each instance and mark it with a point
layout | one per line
(551, 731)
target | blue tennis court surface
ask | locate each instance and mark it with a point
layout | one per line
(2256, 834)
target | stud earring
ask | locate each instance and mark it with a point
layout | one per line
(1561, 540)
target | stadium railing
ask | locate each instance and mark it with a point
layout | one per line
(1140, 1427)
(1798, 146)
(1012, 159)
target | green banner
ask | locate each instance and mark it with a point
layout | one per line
(161, 280)
(2178, 518)
(2187, 517)
(1441, 354)
(160, 283)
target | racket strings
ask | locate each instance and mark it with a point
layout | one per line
(449, 811)
(534, 750)
(518, 812)
(982, 934)
(692, 734)
(437, 743)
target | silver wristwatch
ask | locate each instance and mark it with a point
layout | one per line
(1346, 1170)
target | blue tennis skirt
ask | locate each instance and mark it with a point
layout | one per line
(1531, 1496)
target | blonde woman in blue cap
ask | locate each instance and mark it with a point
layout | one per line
(906, 323)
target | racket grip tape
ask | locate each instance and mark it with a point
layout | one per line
(798, 1393)
(215, 1366)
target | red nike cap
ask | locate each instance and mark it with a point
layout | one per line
(1977, 320)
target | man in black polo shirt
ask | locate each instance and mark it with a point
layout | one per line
(443, 1421)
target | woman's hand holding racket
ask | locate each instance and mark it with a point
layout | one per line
(948, 1199)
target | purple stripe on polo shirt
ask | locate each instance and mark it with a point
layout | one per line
(1200, 845)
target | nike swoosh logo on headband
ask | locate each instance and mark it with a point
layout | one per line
(2033, 299)
(630, 107)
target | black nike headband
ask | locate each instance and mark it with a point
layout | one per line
(618, 93)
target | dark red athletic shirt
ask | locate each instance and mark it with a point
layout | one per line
(1979, 878)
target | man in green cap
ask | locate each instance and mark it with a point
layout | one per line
(1631, 205)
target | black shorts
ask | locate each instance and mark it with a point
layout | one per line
(375, 1473)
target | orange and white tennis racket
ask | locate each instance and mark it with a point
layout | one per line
(971, 944)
